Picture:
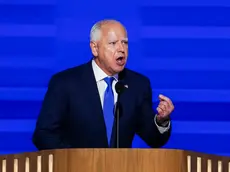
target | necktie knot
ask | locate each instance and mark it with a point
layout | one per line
(109, 81)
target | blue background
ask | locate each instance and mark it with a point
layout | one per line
(182, 46)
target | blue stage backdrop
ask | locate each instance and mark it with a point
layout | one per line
(182, 46)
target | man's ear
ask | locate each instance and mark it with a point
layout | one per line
(94, 48)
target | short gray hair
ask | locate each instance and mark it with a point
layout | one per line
(95, 32)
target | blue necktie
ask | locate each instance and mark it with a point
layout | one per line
(108, 107)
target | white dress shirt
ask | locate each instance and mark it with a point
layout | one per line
(101, 85)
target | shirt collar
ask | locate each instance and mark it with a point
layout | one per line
(99, 73)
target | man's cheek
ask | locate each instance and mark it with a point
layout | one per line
(110, 49)
(110, 52)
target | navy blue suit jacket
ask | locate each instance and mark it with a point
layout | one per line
(71, 115)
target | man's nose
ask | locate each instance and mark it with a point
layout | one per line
(121, 47)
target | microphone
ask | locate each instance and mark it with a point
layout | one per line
(120, 88)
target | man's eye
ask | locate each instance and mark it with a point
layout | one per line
(113, 43)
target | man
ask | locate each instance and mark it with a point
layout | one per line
(78, 108)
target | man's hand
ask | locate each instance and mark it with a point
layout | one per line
(164, 109)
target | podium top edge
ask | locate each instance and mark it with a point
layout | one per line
(111, 150)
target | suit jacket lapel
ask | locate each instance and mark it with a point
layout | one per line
(93, 102)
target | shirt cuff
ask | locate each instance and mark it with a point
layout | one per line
(162, 129)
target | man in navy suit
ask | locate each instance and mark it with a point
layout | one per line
(78, 108)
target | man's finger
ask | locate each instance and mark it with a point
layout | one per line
(165, 104)
(163, 107)
(160, 111)
(164, 98)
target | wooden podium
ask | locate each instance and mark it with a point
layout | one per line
(114, 160)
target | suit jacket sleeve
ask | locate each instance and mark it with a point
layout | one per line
(147, 128)
(48, 132)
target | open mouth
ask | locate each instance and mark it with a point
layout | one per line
(120, 60)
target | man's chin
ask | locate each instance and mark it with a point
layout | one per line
(119, 69)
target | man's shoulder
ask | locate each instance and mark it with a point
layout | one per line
(69, 73)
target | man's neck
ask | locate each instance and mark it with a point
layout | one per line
(102, 68)
(99, 73)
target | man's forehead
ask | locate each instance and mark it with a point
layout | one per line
(117, 35)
